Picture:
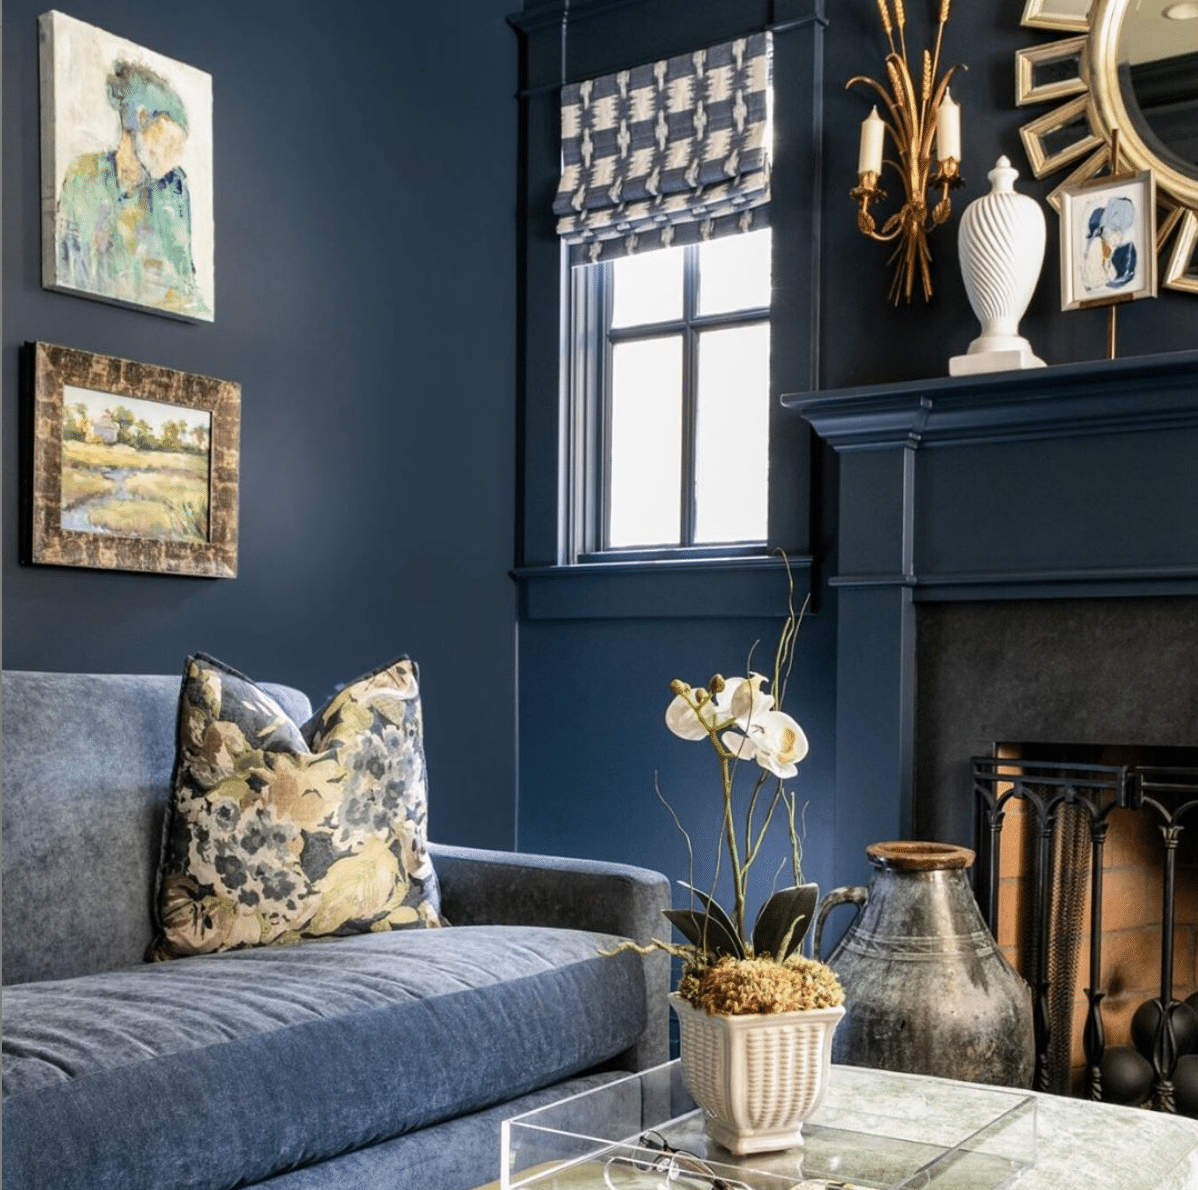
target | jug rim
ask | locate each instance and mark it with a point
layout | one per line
(915, 855)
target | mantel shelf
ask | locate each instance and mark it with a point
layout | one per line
(1067, 400)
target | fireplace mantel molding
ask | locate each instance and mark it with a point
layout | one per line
(1080, 479)
(1095, 397)
(1065, 482)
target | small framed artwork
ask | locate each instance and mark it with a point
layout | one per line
(129, 466)
(1108, 240)
(127, 209)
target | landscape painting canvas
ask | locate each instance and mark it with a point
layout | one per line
(127, 203)
(133, 466)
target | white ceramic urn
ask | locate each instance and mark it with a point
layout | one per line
(1001, 246)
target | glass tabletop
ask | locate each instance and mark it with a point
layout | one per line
(873, 1130)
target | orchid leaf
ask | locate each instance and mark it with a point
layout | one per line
(712, 930)
(784, 920)
(705, 932)
(714, 909)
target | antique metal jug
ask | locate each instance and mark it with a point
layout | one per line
(926, 988)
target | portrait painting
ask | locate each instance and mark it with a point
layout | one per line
(131, 466)
(127, 203)
(1108, 240)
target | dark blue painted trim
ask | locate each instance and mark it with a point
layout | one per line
(711, 588)
(1040, 584)
(1096, 397)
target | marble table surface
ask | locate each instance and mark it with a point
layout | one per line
(1080, 1145)
(877, 1128)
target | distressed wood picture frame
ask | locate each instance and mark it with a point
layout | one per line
(129, 466)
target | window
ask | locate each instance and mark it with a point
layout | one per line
(610, 210)
(670, 387)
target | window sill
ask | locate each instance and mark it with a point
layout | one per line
(699, 588)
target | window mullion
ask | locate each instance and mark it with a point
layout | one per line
(690, 390)
(602, 385)
(586, 443)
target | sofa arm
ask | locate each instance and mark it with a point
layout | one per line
(509, 888)
(480, 887)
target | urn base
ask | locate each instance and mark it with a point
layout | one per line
(1006, 359)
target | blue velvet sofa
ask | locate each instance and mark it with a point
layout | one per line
(379, 1060)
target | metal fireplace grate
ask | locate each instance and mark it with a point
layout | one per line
(1067, 810)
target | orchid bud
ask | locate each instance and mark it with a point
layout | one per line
(716, 685)
(678, 686)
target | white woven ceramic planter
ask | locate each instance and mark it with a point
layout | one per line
(757, 1078)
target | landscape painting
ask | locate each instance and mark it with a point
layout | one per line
(132, 466)
(127, 201)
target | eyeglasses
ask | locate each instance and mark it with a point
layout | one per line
(679, 1170)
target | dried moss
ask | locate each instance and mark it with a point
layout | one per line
(737, 987)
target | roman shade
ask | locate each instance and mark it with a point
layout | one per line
(667, 153)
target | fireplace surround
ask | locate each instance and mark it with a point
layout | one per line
(1016, 560)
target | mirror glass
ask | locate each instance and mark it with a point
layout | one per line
(1158, 75)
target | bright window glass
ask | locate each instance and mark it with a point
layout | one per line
(647, 288)
(734, 273)
(645, 455)
(732, 435)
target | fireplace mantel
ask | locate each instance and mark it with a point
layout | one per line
(1103, 396)
(1073, 482)
(1080, 479)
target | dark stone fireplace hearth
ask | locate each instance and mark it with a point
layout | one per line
(1095, 672)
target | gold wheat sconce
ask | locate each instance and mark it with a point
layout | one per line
(915, 116)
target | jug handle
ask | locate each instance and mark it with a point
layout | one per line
(856, 894)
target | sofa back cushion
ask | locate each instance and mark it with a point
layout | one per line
(86, 776)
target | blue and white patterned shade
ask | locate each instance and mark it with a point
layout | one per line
(672, 152)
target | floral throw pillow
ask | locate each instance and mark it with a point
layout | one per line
(278, 832)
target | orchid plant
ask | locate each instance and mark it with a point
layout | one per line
(737, 716)
(729, 969)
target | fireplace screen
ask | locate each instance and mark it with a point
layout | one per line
(1088, 878)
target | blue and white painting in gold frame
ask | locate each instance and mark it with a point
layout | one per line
(127, 204)
(1108, 240)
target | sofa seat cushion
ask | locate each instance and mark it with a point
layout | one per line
(221, 1070)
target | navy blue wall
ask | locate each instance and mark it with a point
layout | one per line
(365, 247)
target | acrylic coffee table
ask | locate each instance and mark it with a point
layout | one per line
(874, 1130)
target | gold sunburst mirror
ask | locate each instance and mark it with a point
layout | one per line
(1126, 66)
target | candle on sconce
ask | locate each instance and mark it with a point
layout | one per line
(873, 131)
(948, 129)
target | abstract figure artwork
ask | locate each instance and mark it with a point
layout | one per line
(126, 172)
(1108, 240)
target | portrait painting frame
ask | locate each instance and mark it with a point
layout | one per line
(1108, 240)
(128, 466)
(126, 172)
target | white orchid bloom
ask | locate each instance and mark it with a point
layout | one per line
(773, 739)
(713, 711)
(748, 699)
